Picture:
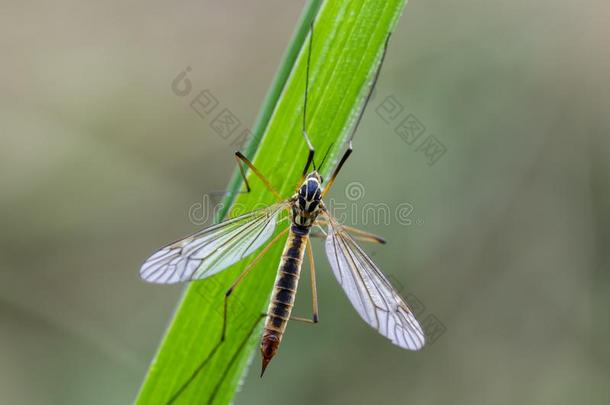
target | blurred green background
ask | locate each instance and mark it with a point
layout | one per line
(507, 249)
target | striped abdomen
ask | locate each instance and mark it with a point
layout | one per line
(284, 291)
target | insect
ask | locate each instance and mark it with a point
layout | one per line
(214, 249)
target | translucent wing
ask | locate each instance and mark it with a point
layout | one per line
(213, 249)
(370, 292)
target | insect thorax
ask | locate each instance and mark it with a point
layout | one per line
(307, 201)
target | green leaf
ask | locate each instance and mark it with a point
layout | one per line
(348, 40)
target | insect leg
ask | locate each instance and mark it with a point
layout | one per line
(239, 158)
(233, 358)
(314, 293)
(358, 234)
(242, 171)
(364, 236)
(317, 233)
(244, 274)
(350, 148)
(205, 361)
(266, 182)
(301, 319)
(314, 290)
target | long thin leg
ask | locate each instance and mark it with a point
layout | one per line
(209, 357)
(233, 358)
(357, 233)
(243, 172)
(266, 182)
(314, 290)
(244, 274)
(243, 176)
(301, 319)
(350, 148)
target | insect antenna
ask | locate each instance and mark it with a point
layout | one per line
(325, 156)
(304, 127)
(350, 148)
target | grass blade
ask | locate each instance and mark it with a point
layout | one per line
(349, 37)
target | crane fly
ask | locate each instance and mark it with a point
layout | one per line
(214, 249)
